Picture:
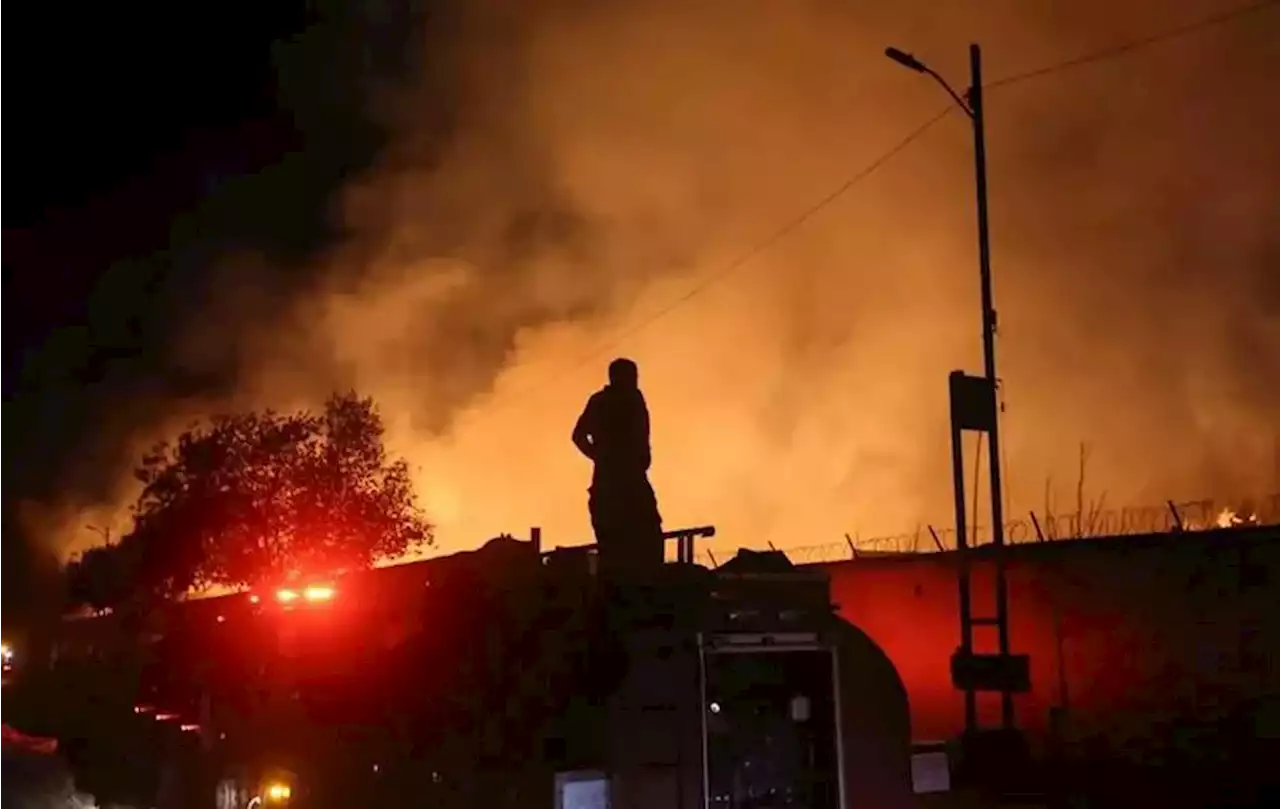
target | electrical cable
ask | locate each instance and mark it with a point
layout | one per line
(733, 266)
(711, 279)
(1134, 45)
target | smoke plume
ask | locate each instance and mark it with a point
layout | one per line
(563, 172)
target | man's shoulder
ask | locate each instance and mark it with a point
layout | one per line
(595, 401)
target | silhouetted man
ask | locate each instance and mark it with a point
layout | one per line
(613, 431)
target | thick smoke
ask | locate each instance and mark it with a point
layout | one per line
(603, 159)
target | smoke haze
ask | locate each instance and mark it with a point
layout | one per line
(562, 172)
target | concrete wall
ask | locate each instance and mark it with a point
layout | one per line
(1160, 637)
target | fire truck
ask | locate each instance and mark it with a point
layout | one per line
(507, 676)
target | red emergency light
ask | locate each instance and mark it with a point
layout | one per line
(318, 592)
(312, 593)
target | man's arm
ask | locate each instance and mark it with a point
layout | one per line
(644, 421)
(582, 431)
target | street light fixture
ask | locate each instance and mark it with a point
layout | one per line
(971, 104)
(905, 59)
(983, 400)
(911, 63)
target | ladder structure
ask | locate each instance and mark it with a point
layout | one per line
(973, 408)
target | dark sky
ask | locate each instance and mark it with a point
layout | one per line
(144, 141)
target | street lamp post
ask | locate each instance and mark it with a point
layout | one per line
(972, 105)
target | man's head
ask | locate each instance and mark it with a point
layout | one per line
(623, 373)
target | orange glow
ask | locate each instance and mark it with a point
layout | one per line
(318, 592)
(141, 709)
(279, 792)
(286, 596)
(253, 598)
(749, 386)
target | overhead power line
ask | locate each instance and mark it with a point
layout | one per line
(741, 261)
(711, 279)
(1135, 44)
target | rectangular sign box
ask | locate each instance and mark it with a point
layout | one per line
(987, 672)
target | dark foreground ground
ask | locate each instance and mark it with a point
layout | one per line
(35, 781)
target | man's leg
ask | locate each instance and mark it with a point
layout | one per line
(650, 547)
(610, 539)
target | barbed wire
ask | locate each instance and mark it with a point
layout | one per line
(1088, 523)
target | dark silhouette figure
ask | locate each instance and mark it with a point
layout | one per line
(613, 431)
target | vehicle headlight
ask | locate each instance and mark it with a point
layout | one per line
(277, 793)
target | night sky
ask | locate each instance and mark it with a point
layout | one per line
(144, 141)
(463, 208)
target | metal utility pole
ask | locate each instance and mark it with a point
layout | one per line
(973, 404)
(977, 108)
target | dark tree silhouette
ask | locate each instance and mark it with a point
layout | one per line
(101, 577)
(258, 497)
